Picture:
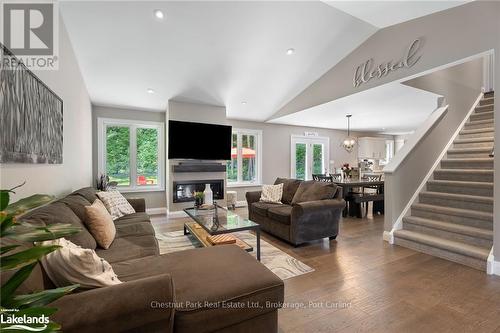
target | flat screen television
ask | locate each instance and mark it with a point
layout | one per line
(199, 141)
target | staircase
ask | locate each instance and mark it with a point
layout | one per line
(453, 218)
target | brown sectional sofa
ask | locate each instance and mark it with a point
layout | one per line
(200, 290)
(299, 221)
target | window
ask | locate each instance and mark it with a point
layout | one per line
(309, 156)
(131, 153)
(245, 164)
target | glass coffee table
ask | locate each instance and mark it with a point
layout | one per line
(217, 221)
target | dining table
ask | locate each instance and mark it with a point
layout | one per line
(348, 184)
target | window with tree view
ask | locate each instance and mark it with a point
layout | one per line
(131, 153)
(244, 165)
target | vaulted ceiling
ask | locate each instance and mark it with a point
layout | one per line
(227, 53)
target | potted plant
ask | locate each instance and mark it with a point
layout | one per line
(17, 309)
(198, 199)
(346, 169)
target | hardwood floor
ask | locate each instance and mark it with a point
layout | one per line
(362, 283)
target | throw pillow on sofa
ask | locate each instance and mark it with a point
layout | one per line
(312, 190)
(72, 264)
(272, 193)
(116, 204)
(100, 224)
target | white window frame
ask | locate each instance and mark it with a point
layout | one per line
(133, 125)
(309, 140)
(258, 179)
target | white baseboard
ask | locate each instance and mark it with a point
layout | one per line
(178, 214)
(156, 211)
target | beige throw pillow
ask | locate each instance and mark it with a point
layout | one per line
(272, 193)
(100, 224)
(115, 203)
(72, 264)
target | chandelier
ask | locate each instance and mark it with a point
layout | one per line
(349, 142)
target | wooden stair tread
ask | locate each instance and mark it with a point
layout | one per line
(445, 244)
(458, 197)
(486, 216)
(451, 227)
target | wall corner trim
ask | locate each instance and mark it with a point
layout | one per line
(388, 236)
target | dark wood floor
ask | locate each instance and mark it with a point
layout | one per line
(363, 284)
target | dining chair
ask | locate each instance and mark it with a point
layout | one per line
(336, 176)
(316, 176)
(325, 179)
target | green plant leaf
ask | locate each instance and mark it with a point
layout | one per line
(25, 257)
(4, 199)
(6, 223)
(29, 233)
(41, 298)
(7, 248)
(9, 287)
(28, 203)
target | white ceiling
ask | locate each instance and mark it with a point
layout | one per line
(386, 13)
(391, 109)
(226, 53)
(220, 53)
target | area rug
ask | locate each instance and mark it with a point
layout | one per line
(280, 263)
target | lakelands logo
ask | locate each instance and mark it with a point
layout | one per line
(23, 323)
(30, 30)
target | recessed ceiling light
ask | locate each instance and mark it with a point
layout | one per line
(244, 103)
(159, 14)
(150, 91)
(290, 51)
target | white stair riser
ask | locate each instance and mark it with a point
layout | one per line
(463, 220)
(450, 235)
(484, 108)
(486, 134)
(468, 190)
(468, 155)
(475, 125)
(481, 116)
(463, 176)
(487, 101)
(480, 144)
(451, 256)
(454, 203)
(450, 164)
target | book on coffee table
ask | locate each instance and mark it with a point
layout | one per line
(221, 239)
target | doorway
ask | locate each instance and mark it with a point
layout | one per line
(310, 155)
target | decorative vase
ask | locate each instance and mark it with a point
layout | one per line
(208, 196)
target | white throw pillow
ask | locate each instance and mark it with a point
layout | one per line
(272, 193)
(115, 203)
(72, 264)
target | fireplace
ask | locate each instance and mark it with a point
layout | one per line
(183, 191)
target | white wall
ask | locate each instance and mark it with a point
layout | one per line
(76, 170)
(276, 154)
(154, 199)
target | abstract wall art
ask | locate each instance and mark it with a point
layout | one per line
(31, 116)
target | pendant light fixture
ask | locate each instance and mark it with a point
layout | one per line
(349, 142)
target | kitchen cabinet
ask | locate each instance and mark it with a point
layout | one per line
(372, 148)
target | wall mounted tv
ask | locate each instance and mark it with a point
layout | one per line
(198, 141)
